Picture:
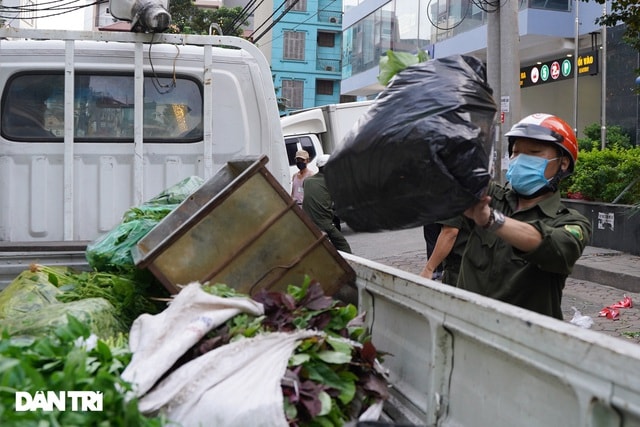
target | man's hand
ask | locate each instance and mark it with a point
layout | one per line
(427, 272)
(480, 212)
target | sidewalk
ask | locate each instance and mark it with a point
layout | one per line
(609, 267)
(601, 277)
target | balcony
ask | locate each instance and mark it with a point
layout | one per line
(330, 17)
(329, 65)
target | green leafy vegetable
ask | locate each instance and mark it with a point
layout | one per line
(330, 379)
(68, 359)
(394, 62)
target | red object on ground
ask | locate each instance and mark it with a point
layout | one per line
(624, 303)
(609, 313)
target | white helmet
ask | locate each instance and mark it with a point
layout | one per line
(322, 160)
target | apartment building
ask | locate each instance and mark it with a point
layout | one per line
(302, 40)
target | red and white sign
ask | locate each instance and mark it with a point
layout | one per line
(535, 75)
(555, 70)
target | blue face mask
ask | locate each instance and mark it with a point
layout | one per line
(526, 173)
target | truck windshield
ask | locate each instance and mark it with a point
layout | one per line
(33, 108)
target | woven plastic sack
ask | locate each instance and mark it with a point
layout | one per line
(158, 341)
(235, 385)
(421, 152)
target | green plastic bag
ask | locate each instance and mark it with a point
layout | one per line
(28, 292)
(111, 252)
(97, 313)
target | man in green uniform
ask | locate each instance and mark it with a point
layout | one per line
(525, 242)
(317, 203)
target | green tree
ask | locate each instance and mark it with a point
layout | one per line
(627, 12)
(188, 19)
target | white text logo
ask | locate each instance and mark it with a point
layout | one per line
(62, 400)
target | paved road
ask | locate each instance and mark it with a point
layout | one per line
(406, 250)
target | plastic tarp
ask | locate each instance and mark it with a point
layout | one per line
(421, 153)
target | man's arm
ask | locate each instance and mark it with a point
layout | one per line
(443, 247)
(518, 234)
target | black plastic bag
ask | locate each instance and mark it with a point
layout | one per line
(421, 152)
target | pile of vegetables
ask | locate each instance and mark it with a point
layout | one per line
(67, 330)
(330, 380)
(69, 358)
(39, 299)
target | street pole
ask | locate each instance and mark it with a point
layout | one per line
(603, 109)
(576, 52)
(509, 73)
(493, 77)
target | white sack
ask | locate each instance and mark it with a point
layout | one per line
(235, 385)
(157, 341)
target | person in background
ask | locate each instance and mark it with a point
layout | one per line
(304, 172)
(524, 241)
(431, 233)
(448, 250)
(317, 203)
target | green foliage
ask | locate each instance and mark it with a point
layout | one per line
(394, 62)
(330, 378)
(616, 137)
(626, 11)
(68, 360)
(603, 175)
(189, 19)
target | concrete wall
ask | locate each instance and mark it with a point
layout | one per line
(614, 226)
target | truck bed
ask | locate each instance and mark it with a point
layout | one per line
(460, 359)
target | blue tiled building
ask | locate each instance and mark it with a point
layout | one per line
(305, 51)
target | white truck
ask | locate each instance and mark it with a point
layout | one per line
(456, 358)
(93, 123)
(319, 130)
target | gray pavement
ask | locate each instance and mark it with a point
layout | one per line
(601, 277)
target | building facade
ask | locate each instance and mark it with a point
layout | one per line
(547, 55)
(302, 40)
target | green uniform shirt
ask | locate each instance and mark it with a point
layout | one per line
(317, 203)
(451, 264)
(532, 280)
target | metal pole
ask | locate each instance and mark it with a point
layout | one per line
(493, 77)
(510, 72)
(603, 109)
(576, 52)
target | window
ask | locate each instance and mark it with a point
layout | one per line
(33, 108)
(563, 5)
(326, 39)
(294, 45)
(295, 144)
(292, 91)
(298, 6)
(324, 87)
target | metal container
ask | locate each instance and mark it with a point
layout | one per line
(241, 228)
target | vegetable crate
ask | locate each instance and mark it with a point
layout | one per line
(241, 228)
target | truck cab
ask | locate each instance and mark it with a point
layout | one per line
(319, 130)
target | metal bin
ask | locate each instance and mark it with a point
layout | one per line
(241, 228)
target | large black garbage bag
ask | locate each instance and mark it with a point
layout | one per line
(421, 152)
